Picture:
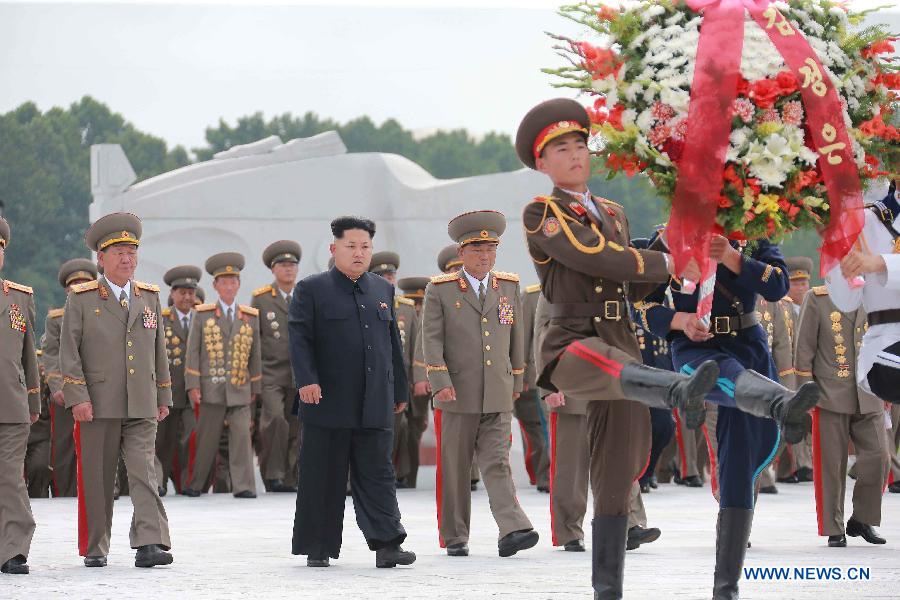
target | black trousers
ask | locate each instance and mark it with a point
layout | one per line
(884, 380)
(326, 454)
(662, 429)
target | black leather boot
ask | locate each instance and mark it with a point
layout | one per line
(658, 388)
(759, 396)
(732, 535)
(609, 535)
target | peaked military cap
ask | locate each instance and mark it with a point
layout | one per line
(281, 251)
(477, 226)
(115, 228)
(448, 258)
(183, 276)
(413, 287)
(799, 267)
(225, 263)
(75, 270)
(384, 262)
(546, 122)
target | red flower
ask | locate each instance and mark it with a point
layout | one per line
(674, 148)
(874, 127)
(597, 114)
(607, 13)
(743, 86)
(770, 226)
(787, 81)
(725, 202)
(754, 185)
(659, 135)
(738, 236)
(802, 180)
(615, 116)
(731, 176)
(630, 164)
(882, 47)
(764, 93)
(599, 62)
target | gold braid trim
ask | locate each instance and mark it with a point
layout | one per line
(639, 259)
(73, 381)
(546, 200)
(255, 378)
(430, 368)
(192, 372)
(803, 373)
(767, 273)
(419, 363)
(54, 375)
(518, 371)
(786, 372)
(36, 390)
(601, 241)
(164, 385)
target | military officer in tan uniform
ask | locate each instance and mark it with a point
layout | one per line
(116, 383)
(385, 264)
(527, 409)
(279, 428)
(827, 347)
(20, 391)
(174, 448)
(223, 375)
(473, 341)
(62, 448)
(37, 455)
(413, 289)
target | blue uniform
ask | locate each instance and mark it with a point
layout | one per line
(746, 443)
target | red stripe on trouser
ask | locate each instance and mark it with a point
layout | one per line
(439, 484)
(529, 454)
(82, 508)
(817, 468)
(713, 468)
(192, 445)
(609, 366)
(644, 468)
(554, 417)
(53, 484)
(679, 441)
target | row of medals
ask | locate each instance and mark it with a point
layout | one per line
(840, 350)
(174, 351)
(240, 352)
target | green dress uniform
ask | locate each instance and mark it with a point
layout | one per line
(176, 436)
(20, 384)
(527, 409)
(413, 289)
(828, 343)
(473, 342)
(37, 455)
(113, 355)
(279, 428)
(224, 362)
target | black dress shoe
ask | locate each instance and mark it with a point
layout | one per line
(163, 489)
(574, 546)
(804, 474)
(151, 555)
(317, 562)
(894, 488)
(638, 535)
(278, 486)
(473, 485)
(458, 550)
(400, 484)
(867, 532)
(17, 565)
(769, 489)
(544, 489)
(792, 478)
(245, 494)
(654, 482)
(645, 487)
(190, 493)
(517, 540)
(837, 541)
(95, 561)
(391, 556)
(693, 481)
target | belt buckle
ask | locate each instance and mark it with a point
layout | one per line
(614, 314)
(721, 330)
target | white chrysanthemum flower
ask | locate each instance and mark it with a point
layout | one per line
(642, 148)
(675, 18)
(652, 12)
(632, 91)
(739, 137)
(628, 117)
(677, 98)
(644, 120)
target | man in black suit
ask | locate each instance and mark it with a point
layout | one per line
(348, 363)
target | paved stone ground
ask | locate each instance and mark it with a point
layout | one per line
(228, 548)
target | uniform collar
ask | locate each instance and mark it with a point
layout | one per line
(225, 307)
(476, 282)
(347, 284)
(182, 316)
(117, 291)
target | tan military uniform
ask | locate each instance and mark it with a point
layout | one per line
(827, 345)
(20, 385)
(225, 364)
(408, 325)
(527, 409)
(417, 413)
(279, 429)
(478, 350)
(62, 450)
(37, 455)
(115, 358)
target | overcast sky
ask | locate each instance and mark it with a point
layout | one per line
(174, 68)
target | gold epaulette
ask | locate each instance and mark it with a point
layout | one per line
(787, 299)
(445, 278)
(12, 285)
(605, 201)
(167, 312)
(248, 310)
(87, 286)
(506, 276)
(406, 301)
(205, 307)
(56, 313)
(146, 286)
(820, 290)
(268, 289)
(531, 289)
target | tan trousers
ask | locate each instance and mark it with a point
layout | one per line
(98, 445)
(831, 434)
(569, 468)
(240, 450)
(62, 452)
(486, 436)
(400, 446)
(689, 443)
(417, 423)
(279, 434)
(37, 459)
(527, 410)
(16, 520)
(637, 514)
(174, 452)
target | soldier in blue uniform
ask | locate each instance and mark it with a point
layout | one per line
(753, 408)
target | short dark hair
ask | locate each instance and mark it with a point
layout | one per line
(342, 224)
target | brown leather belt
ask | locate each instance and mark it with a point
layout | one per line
(732, 324)
(610, 310)
(883, 317)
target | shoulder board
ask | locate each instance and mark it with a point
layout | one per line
(18, 286)
(147, 286)
(167, 312)
(820, 290)
(86, 286)
(543, 199)
(506, 276)
(406, 301)
(787, 299)
(205, 307)
(446, 277)
(56, 313)
(263, 290)
(531, 289)
(248, 310)
(605, 201)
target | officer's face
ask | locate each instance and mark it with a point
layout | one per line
(183, 298)
(479, 258)
(227, 287)
(798, 290)
(118, 262)
(566, 160)
(390, 276)
(285, 272)
(352, 253)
